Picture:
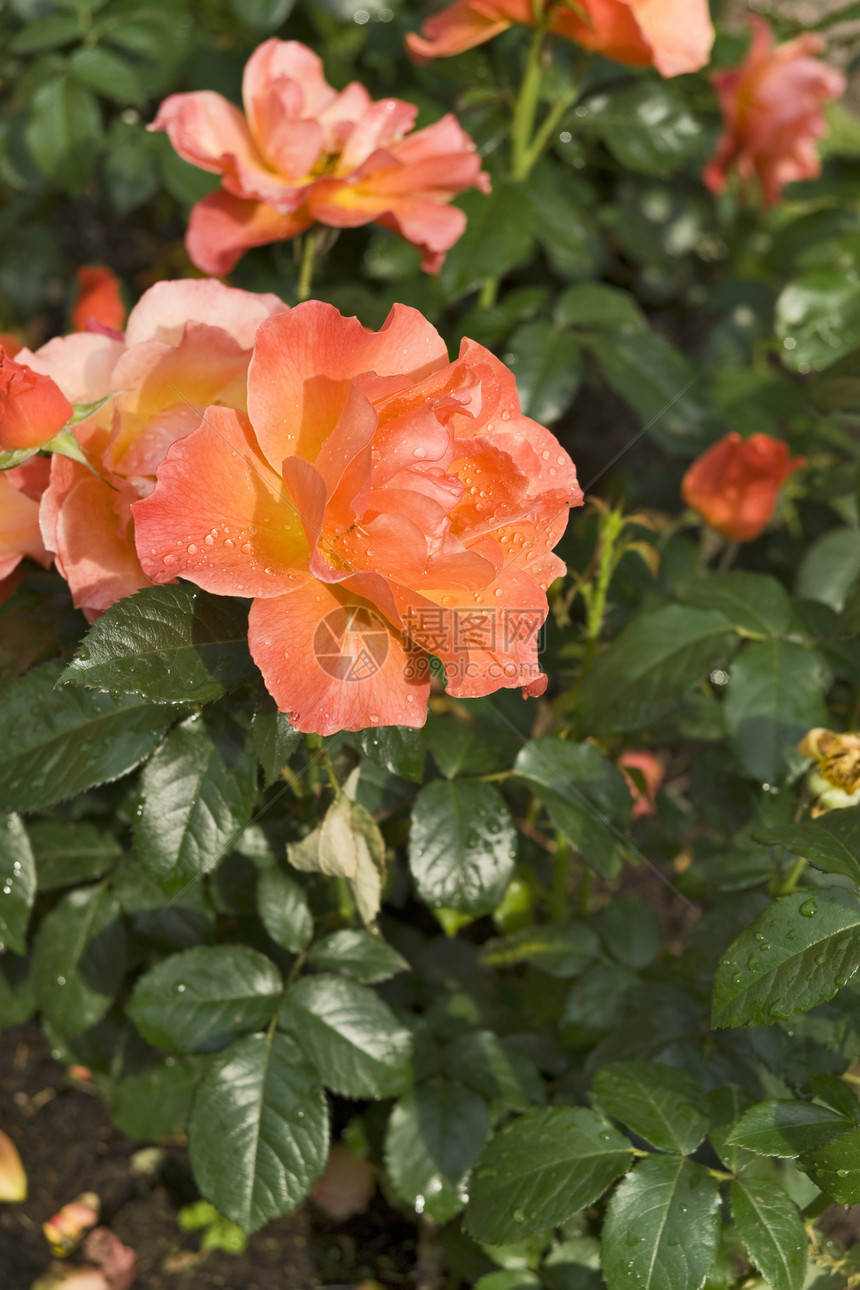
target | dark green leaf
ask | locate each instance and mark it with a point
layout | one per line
(259, 1132)
(796, 954)
(598, 307)
(64, 132)
(727, 1105)
(50, 32)
(498, 1071)
(275, 740)
(768, 1223)
(773, 696)
(650, 665)
(831, 842)
(157, 1102)
(661, 1227)
(835, 1167)
(17, 997)
(67, 853)
(462, 847)
(174, 644)
(567, 238)
(473, 749)
(196, 797)
(818, 319)
(630, 932)
(498, 236)
(261, 15)
(562, 950)
(653, 377)
(829, 568)
(664, 1106)
(540, 1170)
(17, 884)
(202, 999)
(361, 955)
(584, 793)
(785, 1128)
(106, 73)
(182, 922)
(752, 602)
(435, 1133)
(354, 1039)
(79, 959)
(646, 127)
(396, 748)
(548, 366)
(284, 910)
(60, 743)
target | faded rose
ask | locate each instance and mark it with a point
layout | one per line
(772, 112)
(32, 407)
(303, 153)
(672, 35)
(736, 483)
(377, 502)
(98, 302)
(651, 772)
(187, 345)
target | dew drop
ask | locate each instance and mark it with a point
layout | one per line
(180, 989)
(808, 908)
(61, 980)
(192, 548)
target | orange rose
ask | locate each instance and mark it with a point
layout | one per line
(98, 300)
(771, 108)
(378, 502)
(672, 35)
(187, 344)
(303, 153)
(735, 484)
(32, 407)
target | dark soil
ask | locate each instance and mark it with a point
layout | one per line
(68, 1146)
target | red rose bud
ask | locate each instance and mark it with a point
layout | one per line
(13, 1179)
(735, 484)
(32, 407)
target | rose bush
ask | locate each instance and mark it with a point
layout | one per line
(388, 804)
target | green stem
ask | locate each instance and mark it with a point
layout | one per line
(306, 271)
(526, 107)
(489, 291)
(557, 903)
(791, 879)
(545, 130)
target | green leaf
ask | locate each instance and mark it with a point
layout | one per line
(361, 955)
(646, 127)
(79, 959)
(831, 842)
(435, 1133)
(68, 853)
(561, 950)
(156, 1102)
(63, 132)
(584, 794)
(651, 664)
(474, 749)
(785, 1128)
(498, 1071)
(654, 378)
(353, 1039)
(835, 1167)
(630, 932)
(51, 32)
(261, 15)
(795, 955)
(773, 696)
(548, 366)
(106, 73)
(396, 748)
(259, 1131)
(664, 1106)
(541, 1169)
(567, 238)
(770, 1226)
(275, 740)
(598, 307)
(60, 743)
(818, 319)
(183, 921)
(205, 997)
(727, 1104)
(17, 884)
(17, 999)
(752, 602)
(284, 910)
(196, 797)
(174, 644)
(829, 568)
(661, 1227)
(462, 847)
(498, 237)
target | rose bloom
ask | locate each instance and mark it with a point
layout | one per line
(735, 484)
(377, 502)
(772, 111)
(652, 771)
(98, 300)
(20, 535)
(187, 345)
(672, 35)
(32, 407)
(304, 153)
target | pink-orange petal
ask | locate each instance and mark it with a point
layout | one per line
(223, 227)
(95, 548)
